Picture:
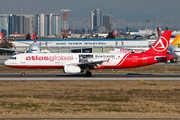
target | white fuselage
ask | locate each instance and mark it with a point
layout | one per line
(174, 51)
(61, 59)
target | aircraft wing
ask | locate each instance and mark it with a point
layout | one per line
(26, 43)
(90, 64)
(12, 49)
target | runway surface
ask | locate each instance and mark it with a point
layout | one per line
(89, 119)
(95, 77)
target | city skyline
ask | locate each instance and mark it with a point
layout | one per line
(156, 7)
(45, 24)
(127, 13)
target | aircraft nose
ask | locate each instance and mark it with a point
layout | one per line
(6, 62)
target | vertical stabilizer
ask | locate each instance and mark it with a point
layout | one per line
(159, 32)
(161, 45)
(175, 42)
(33, 35)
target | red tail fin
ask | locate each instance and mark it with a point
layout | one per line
(115, 33)
(167, 28)
(1, 37)
(161, 45)
(159, 32)
(33, 35)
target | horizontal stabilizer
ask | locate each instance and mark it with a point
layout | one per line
(162, 57)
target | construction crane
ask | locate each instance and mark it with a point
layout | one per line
(21, 8)
(65, 22)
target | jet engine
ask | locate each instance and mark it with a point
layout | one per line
(72, 69)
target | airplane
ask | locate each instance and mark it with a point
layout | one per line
(1, 36)
(141, 33)
(34, 47)
(104, 35)
(100, 35)
(80, 62)
(115, 33)
(174, 33)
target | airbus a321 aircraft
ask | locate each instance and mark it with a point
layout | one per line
(80, 62)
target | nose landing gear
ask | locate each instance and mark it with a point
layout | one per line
(23, 73)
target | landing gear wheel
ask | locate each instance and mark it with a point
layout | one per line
(172, 61)
(88, 74)
(23, 74)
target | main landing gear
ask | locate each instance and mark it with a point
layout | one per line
(174, 61)
(23, 73)
(88, 73)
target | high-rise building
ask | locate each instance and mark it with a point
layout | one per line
(22, 24)
(40, 24)
(12, 24)
(48, 25)
(4, 24)
(29, 24)
(55, 25)
(96, 18)
(107, 22)
(92, 20)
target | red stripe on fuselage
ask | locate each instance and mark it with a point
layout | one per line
(123, 59)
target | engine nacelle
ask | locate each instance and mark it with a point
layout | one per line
(72, 69)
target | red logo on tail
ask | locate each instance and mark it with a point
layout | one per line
(161, 45)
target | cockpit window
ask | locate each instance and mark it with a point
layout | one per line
(13, 58)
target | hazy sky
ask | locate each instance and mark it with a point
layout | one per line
(155, 7)
(157, 11)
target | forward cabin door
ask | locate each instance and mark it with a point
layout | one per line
(23, 59)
